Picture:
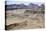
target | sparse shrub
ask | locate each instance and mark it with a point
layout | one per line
(42, 12)
(34, 12)
(13, 15)
(30, 11)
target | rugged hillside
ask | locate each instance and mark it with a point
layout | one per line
(23, 6)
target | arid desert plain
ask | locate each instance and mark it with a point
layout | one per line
(24, 19)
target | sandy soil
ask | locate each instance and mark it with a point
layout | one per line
(24, 20)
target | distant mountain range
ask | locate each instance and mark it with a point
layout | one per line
(22, 6)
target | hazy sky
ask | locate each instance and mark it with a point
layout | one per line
(24, 1)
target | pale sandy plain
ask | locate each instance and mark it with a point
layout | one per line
(22, 19)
